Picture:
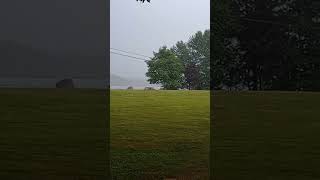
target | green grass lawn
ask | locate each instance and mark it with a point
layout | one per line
(266, 136)
(160, 134)
(59, 134)
(52, 134)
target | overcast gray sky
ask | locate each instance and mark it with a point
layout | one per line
(144, 27)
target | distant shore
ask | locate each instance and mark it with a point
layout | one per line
(134, 87)
(50, 82)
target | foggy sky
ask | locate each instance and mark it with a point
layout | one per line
(58, 38)
(57, 25)
(144, 28)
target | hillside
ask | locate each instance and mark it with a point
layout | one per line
(116, 80)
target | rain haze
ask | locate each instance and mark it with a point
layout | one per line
(143, 28)
(43, 42)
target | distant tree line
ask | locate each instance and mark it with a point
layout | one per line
(265, 45)
(186, 65)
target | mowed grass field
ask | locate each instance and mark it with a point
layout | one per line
(266, 136)
(49, 134)
(59, 134)
(158, 134)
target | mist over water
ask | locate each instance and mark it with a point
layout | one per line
(120, 82)
(50, 83)
(43, 42)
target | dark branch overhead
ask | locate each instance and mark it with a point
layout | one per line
(143, 0)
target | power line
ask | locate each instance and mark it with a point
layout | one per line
(263, 21)
(131, 52)
(266, 21)
(137, 58)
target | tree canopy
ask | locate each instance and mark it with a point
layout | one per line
(265, 45)
(165, 69)
(191, 61)
(257, 45)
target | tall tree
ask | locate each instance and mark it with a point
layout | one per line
(199, 45)
(191, 70)
(277, 39)
(223, 59)
(165, 69)
(195, 57)
(276, 44)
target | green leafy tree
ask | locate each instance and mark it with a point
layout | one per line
(199, 45)
(166, 69)
(195, 57)
(279, 40)
(191, 70)
(224, 58)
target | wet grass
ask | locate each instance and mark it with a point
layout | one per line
(266, 135)
(159, 134)
(52, 134)
(61, 134)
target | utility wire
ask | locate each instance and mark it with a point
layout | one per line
(263, 21)
(137, 58)
(266, 21)
(131, 52)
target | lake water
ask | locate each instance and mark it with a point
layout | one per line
(49, 83)
(134, 87)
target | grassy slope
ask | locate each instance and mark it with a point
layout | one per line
(159, 133)
(266, 135)
(256, 135)
(52, 134)
(60, 135)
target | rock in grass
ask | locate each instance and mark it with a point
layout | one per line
(65, 83)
